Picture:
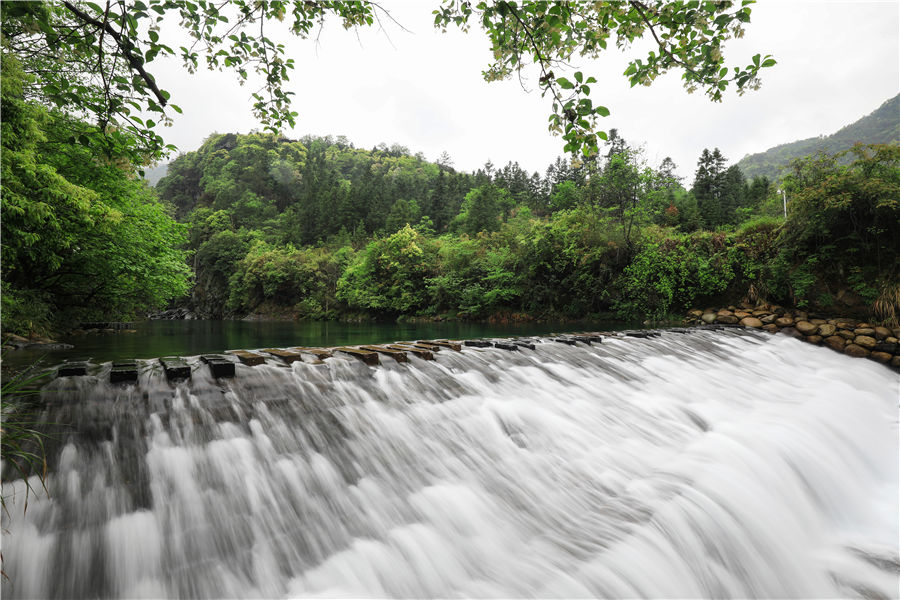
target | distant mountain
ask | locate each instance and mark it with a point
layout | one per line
(880, 127)
(154, 174)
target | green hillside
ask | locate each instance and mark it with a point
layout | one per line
(880, 127)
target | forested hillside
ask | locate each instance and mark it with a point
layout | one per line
(880, 127)
(315, 228)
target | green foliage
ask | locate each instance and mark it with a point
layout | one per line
(82, 236)
(688, 36)
(671, 273)
(390, 275)
(482, 210)
(284, 276)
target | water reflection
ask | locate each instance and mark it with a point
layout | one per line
(188, 338)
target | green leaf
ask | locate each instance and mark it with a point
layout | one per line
(602, 111)
(565, 83)
(769, 62)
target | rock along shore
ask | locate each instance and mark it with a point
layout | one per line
(850, 336)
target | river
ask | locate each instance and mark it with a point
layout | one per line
(191, 337)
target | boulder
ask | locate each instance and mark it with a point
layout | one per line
(747, 305)
(826, 329)
(726, 319)
(818, 321)
(800, 315)
(854, 350)
(864, 325)
(49, 346)
(725, 313)
(885, 346)
(791, 332)
(696, 313)
(751, 322)
(864, 331)
(813, 339)
(847, 335)
(784, 321)
(708, 317)
(895, 362)
(761, 313)
(882, 357)
(882, 332)
(835, 342)
(741, 314)
(865, 341)
(770, 327)
(806, 328)
(891, 340)
(769, 319)
(896, 332)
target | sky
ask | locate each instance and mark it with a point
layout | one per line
(415, 86)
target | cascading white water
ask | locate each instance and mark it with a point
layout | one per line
(709, 464)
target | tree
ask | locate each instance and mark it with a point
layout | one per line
(95, 59)
(688, 36)
(390, 275)
(483, 209)
(707, 188)
(81, 238)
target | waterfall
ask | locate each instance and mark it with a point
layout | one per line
(705, 464)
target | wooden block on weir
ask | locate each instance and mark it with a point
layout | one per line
(287, 356)
(425, 345)
(591, 336)
(478, 343)
(367, 356)
(563, 340)
(175, 368)
(398, 355)
(251, 359)
(72, 369)
(445, 344)
(219, 365)
(320, 353)
(506, 345)
(420, 352)
(523, 344)
(123, 370)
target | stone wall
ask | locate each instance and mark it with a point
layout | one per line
(850, 336)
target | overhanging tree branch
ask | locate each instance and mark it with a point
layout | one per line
(134, 60)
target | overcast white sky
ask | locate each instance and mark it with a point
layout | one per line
(837, 61)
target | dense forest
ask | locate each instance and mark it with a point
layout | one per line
(316, 228)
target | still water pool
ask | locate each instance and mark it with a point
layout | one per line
(188, 338)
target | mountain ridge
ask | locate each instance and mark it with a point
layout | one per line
(882, 126)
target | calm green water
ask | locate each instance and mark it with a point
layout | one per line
(187, 338)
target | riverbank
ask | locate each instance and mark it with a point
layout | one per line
(847, 335)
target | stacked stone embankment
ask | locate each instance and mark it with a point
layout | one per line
(850, 336)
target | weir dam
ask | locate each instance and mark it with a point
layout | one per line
(689, 463)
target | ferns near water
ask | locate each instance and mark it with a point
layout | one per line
(21, 442)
